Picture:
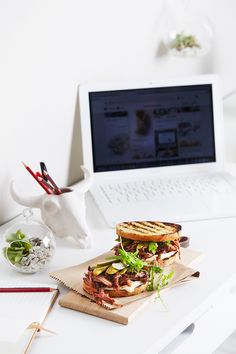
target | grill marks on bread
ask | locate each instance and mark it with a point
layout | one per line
(149, 227)
(148, 230)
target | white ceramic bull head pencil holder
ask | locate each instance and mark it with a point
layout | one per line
(65, 213)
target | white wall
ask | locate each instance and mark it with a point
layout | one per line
(49, 46)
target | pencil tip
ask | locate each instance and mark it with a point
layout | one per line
(23, 163)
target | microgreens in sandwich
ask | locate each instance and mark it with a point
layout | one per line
(157, 279)
(152, 247)
(129, 259)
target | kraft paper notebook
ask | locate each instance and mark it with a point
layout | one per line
(79, 300)
(21, 314)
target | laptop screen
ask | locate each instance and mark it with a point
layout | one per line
(152, 127)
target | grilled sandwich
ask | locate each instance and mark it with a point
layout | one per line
(154, 241)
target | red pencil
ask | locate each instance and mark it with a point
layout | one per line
(26, 290)
(48, 185)
(36, 178)
(49, 178)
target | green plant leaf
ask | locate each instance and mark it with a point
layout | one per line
(17, 250)
(17, 236)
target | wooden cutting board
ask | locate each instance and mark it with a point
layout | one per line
(76, 299)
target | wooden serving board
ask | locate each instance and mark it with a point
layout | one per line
(77, 299)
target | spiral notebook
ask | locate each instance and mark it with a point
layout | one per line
(22, 314)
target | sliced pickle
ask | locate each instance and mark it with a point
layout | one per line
(99, 270)
(111, 270)
(105, 263)
(126, 241)
(139, 245)
(123, 271)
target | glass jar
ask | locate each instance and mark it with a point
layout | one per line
(29, 244)
(188, 32)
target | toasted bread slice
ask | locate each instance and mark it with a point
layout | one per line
(154, 231)
(120, 292)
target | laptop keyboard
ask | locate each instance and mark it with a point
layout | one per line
(152, 189)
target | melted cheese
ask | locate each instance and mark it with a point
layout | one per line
(167, 255)
(129, 289)
(163, 256)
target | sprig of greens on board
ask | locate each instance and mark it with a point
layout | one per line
(159, 282)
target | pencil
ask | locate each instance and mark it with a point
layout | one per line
(49, 178)
(42, 180)
(36, 178)
(26, 290)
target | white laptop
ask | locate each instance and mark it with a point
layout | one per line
(156, 150)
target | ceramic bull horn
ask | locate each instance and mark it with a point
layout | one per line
(32, 202)
(65, 213)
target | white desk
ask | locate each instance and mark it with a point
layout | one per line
(200, 315)
(205, 306)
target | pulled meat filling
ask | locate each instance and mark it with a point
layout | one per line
(96, 284)
(143, 251)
